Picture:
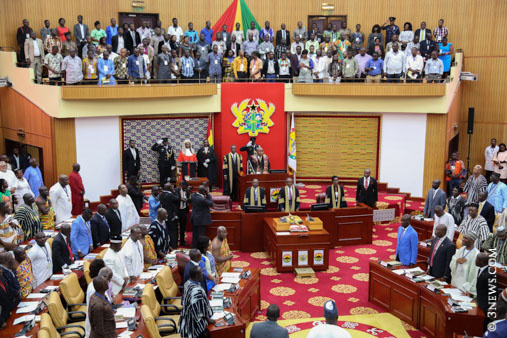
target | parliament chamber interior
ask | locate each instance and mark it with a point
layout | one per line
(242, 168)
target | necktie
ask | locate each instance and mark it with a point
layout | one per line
(366, 183)
(480, 207)
(70, 251)
(434, 251)
(290, 193)
(117, 214)
(255, 196)
(105, 221)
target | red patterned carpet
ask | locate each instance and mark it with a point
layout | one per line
(346, 280)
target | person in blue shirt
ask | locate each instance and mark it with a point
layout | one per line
(266, 31)
(34, 177)
(187, 67)
(497, 193)
(374, 69)
(406, 248)
(154, 202)
(81, 234)
(111, 31)
(208, 33)
(445, 51)
(191, 33)
(105, 68)
(136, 66)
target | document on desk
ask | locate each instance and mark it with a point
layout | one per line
(222, 287)
(121, 325)
(27, 307)
(126, 312)
(216, 302)
(36, 295)
(147, 275)
(399, 272)
(461, 298)
(219, 315)
(452, 291)
(230, 280)
(23, 319)
(283, 233)
(231, 274)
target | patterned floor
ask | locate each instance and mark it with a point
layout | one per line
(346, 280)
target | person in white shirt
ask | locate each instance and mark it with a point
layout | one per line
(42, 263)
(330, 329)
(144, 31)
(22, 187)
(132, 254)
(444, 218)
(8, 175)
(61, 197)
(295, 44)
(414, 66)
(489, 153)
(239, 34)
(97, 269)
(113, 260)
(127, 208)
(394, 64)
(175, 30)
(434, 68)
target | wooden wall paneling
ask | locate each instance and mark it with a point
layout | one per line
(360, 89)
(453, 115)
(435, 150)
(470, 22)
(64, 145)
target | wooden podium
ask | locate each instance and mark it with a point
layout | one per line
(266, 181)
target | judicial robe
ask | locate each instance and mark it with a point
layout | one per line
(335, 200)
(284, 204)
(232, 169)
(211, 171)
(259, 164)
(187, 162)
(249, 198)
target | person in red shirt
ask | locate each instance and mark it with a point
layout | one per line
(187, 161)
(77, 190)
(62, 29)
(454, 173)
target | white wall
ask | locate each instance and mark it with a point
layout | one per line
(403, 138)
(98, 152)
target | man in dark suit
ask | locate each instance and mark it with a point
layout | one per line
(283, 34)
(100, 226)
(436, 196)
(61, 249)
(16, 161)
(131, 38)
(486, 282)
(366, 191)
(195, 260)
(113, 218)
(441, 252)
(80, 32)
(169, 200)
(427, 47)
(131, 159)
(201, 216)
(294, 62)
(486, 210)
(233, 45)
(166, 160)
(183, 192)
(425, 32)
(120, 37)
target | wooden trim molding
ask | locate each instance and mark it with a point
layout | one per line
(137, 92)
(368, 89)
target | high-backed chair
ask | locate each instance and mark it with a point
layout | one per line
(101, 254)
(155, 329)
(60, 317)
(48, 330)
(169, 290)
(50, 242)
(149, 298)
(321, 197)
(86, 271)
(73, 295)
(221, 203)
(182, 260)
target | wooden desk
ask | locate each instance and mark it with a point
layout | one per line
(418, 306)
(194, 184)
(266, 181)
(311, 242)
(423, 228)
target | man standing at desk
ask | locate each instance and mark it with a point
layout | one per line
(441, 252)
(406, 248)
(61, 249)
(335, 197)
(436, 196)
(221, 251)
(443, 218)
(81, 235)
(232, 168)
(255, 195)
(258, 163)
(463, 268)
(366, 191)
(166, 161)
(288, 198)
(201, 216)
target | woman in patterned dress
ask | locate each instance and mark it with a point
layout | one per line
(46, 211)
(456, 206)
(228, 71)
(150, 255)
(10, 231)
(24, 271)
(5, 194)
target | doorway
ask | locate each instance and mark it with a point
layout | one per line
(30, 150)
(137, 19)
(323, 21)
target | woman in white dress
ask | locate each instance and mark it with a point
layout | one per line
(22, 187)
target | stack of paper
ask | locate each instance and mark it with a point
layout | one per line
(50, 288)
(57, 277)
(27, 307)
(452, 291)
(147, 275)
(216, 302)
(219, 315)
(36, 295)
(230, 280)
(121, 325)
(23, 319)
(126, 333)
(222, 287)
(399, 271)
(125, 313)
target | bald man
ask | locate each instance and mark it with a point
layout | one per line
(221, 251)
(406, 248)
(100, 226)
(62, 249)
(441, 252)
(366, 191)
(61, 197)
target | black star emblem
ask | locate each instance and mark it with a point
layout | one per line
(253, 108)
